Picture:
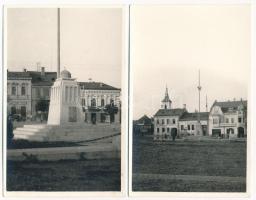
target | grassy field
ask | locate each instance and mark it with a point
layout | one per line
(205, 158)
(87, 175)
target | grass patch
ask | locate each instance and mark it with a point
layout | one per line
(206, 158)
(186, 186)
(66, 175)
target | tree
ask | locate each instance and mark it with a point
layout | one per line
(111, 110)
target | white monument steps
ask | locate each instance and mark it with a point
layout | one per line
(69, 133)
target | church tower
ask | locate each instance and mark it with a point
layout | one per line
(166, 102)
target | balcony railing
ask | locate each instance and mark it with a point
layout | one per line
(9, 97)
(225, 124)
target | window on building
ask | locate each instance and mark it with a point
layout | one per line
(189, 127)
(38, 92)
(232, 120)
(83, 101)
(85, 117)
(182, 127)
(112, 102)
(192, 127)
(23, 90)
(157, 130)
(162, 121)
(13, 110)
(163, 130)
(173, 121)
(240, 119)
(46, 92)
(227, 120)
(13, 90)
(102, 118)
(102, 102)
(215, 120)
(168, 130)
(157, 121)
(93, 102)
(66, 93)
(168, 121)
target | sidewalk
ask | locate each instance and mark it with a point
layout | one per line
(95, 151)
(142, 176)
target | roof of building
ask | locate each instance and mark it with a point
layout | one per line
(96, 86)
(15, 75)
(65, 74)
(144, 120)
(43, 80)
(36, 77)
(194, 116)
(226, 105)
(170, 112)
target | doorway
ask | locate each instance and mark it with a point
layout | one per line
(93, 118)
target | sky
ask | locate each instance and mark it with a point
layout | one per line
(169, 44)
(90, 40)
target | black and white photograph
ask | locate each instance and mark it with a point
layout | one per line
(128, 99)
(64, 98)
(190, 67)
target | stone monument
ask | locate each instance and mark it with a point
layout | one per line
(65, 108)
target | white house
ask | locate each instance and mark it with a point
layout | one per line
(189, 122)
(228, 119)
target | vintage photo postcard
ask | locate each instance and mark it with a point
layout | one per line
(190, 67)
(64, 99)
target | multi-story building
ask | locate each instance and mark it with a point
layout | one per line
(228, 119)
(166, 119)
(41, 83)
(19, 94)
(100, 102)
(29, 92)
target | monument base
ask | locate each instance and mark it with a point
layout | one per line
(65, 133)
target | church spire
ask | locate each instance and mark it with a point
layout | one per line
(166, 92)
(166, 102)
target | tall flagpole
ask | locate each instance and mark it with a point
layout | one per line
(58, 44)
(199, 90)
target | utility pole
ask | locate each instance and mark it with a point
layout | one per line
(58, 43)
(206, 105)
(199, 90)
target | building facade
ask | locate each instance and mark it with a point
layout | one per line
(19, 94)
(143, 126)
(228, 119)
(189, 123)
(100, 102)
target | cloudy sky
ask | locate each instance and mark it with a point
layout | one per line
(91, 41)
(170, 44)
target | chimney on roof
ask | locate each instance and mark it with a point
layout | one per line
(42, 71)
(234, 99)
(24, 69)
(184, 106)
(241, 99)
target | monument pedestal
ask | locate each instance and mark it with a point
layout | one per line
(65, 107)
